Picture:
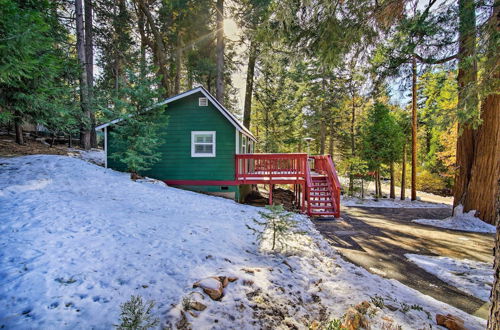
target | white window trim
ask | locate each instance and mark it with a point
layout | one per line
(193, 154)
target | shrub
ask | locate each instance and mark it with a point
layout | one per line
(278, 222)
(136, 315)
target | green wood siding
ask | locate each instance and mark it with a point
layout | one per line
(185, 116)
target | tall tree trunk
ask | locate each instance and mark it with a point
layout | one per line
(178, 64)
(403, 174)
(467, 97)
(393, 190)
(247, 112)
(414, 131)
(494, 319)
(144, 42)
(353, 140)
(89, 67)
(18, 128)
(482, 188)
(219, 52)
(331, 141)
(84, 101)
(160, 50)
(322, 125)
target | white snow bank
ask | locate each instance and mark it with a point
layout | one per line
(72, 251)
(390, 203)
(95, 156)
(460, 221)
(473, 277)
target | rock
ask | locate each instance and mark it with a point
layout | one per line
(212, 286)
(354, 320)
(197, 306)
(232, 278)
(450, 322)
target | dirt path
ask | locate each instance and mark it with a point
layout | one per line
(378, 238)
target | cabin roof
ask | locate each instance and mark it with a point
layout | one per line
(229, 116)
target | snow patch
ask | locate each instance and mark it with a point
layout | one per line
(95, 156)
(460, 221)
(28, 186)
(472, 277)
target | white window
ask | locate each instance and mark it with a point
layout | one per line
(203, 144)
(203, 102)
(244, 145)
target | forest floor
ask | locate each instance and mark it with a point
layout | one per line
(379, 240)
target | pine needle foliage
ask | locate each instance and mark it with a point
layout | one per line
(276, 221)
(136, 315)
(140, 134)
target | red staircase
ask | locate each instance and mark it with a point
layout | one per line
(323, 188)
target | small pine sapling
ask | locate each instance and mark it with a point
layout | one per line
(136, 315)
(276, 221)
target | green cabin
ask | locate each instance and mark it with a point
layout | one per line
(202, 138)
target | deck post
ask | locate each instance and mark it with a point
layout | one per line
(303, 188)
(271, 194)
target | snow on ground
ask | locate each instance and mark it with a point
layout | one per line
(460, 221)
(473, 277)
(95, 156)
(386, 202)
(77, 240)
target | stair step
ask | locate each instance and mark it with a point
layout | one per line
(320, 190)
(322, 207)
(321, 201)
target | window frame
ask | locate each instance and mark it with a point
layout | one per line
(193, 144)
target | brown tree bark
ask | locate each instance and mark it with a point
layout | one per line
(322, 125)
(414, 131)
(84, 101)
(18, 128)
(403, 174)
(247, 111)
(485, 171)
(89, 67)
(353, 136)
(467, 98)
(159, 48)
(219, 53)
(392, 190)
(494, 319)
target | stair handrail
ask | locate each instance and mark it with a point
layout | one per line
(324, 163)
(308, 186)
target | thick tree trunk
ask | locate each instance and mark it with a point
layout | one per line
(219, 52)
(467, 98)
(483, 170)
(84, 101)
(89, 67)
(494, 319)
(403, 174)
(393, 190)
(247, 112)
(18, 127)
(414, 131)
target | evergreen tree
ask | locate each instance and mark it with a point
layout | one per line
(139, 135)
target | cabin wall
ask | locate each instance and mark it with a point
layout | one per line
(176, 163)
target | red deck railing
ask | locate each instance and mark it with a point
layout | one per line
(324, 165)
(262, 168)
